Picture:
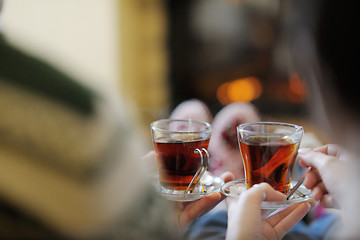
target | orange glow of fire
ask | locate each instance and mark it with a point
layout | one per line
(239, 90)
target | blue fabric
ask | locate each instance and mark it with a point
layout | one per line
(318, 229)
(213, 226)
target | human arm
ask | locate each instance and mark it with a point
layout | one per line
(186, 212)
(245, 220)
(189, 211)
(329, 175)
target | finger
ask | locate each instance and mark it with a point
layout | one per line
(320, 161)
(264, 192)
(330, 149)
(231, 200)
(303, 151)
(250, 200)
(322, 149)
(312, 178)
(276, 218)
(290, 217)
(303, 164)
(316, 159)
(198, 208)
(212, 202)
(330, 169)
(227, 176)
(318, 191)
(183, 205)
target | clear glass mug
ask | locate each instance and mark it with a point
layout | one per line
(181, 149)
(269, 151)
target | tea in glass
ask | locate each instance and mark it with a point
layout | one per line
(269, 152)
(178, 161)
(180, 146)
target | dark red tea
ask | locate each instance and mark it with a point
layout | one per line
(269, 160)
(177, 160)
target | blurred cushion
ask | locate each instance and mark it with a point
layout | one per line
(68, 154)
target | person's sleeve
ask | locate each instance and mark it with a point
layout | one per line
(211, 226)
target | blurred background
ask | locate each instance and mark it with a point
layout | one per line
(157, 53)
(70, 169)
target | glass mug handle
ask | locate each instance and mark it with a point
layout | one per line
(204, 163)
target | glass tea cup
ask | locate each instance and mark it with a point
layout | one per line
(269, 151)
(181, 149)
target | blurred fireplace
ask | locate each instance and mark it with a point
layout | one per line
(217, 44)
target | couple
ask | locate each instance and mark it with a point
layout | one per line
(326, 53)
(93, 153)
(245, 219)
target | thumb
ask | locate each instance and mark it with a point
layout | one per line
(330, 168)
(322, 162)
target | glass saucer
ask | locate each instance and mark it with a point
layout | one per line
(236, 187)
(208, 184)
